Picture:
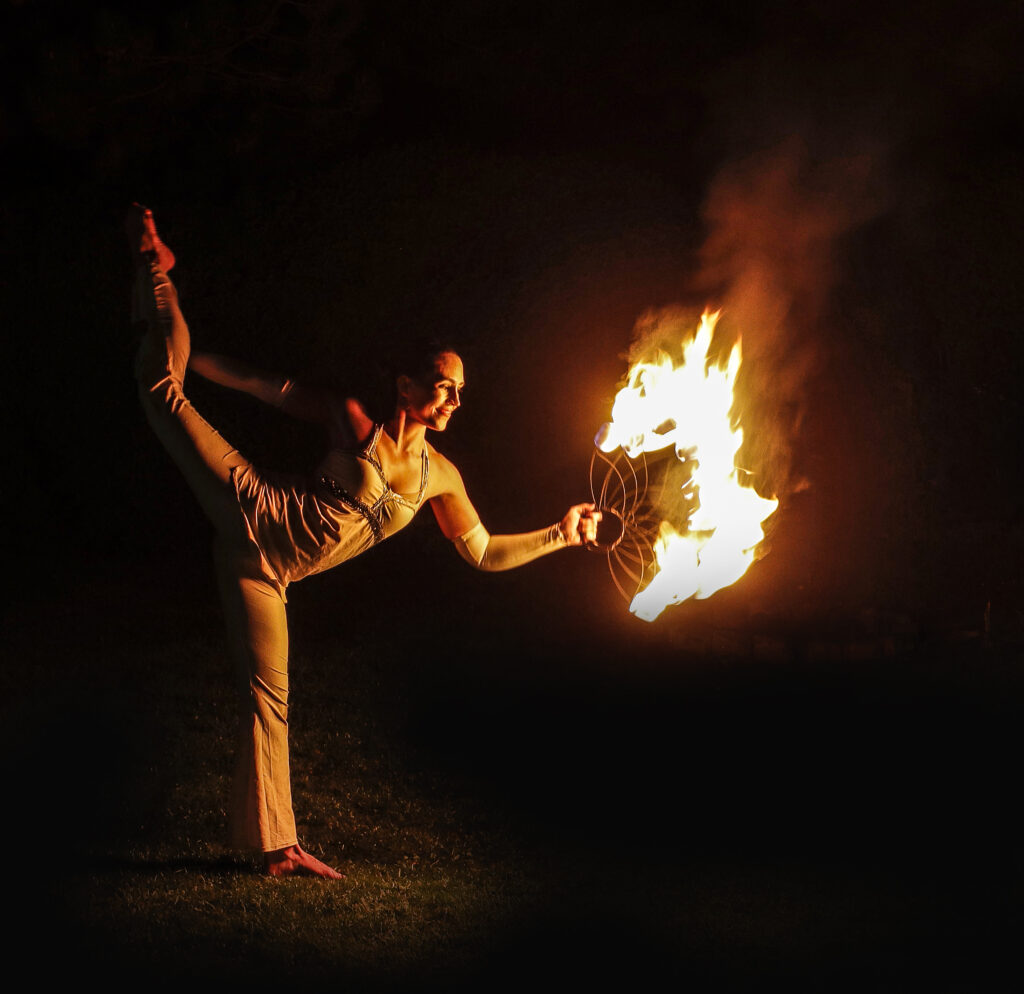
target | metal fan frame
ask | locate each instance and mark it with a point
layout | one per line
(621, 494)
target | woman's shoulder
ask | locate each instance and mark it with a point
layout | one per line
(444, 475)
(437, 459)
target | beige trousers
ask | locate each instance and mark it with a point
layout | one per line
(253, 599)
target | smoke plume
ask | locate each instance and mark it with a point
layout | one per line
(770, 260)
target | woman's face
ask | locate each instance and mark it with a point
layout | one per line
(431, 400)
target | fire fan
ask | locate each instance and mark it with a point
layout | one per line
(698, 528)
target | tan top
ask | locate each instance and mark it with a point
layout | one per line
(302, 528)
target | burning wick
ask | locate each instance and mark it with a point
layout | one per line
(684, 406)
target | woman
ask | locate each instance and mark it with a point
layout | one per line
(271, 532)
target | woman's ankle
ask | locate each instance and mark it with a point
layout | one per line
(144, 241)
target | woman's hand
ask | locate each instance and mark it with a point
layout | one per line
(297, 401)
(579, 526)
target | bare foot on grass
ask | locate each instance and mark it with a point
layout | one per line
(294, 861)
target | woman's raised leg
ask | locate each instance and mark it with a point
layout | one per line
(205, 458)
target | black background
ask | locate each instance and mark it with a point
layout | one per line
(529, 180)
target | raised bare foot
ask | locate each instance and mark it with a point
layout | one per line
(295, 861)
(143, 237)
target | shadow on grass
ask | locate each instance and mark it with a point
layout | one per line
(155, 866)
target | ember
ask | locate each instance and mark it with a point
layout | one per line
(687, 406)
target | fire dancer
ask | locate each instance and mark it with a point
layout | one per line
(270, 533)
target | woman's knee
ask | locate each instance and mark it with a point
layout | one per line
(269, 699)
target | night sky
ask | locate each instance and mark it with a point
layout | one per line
(528, 180)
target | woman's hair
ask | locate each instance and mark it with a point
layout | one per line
(417, 359)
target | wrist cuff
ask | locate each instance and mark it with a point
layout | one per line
(555, 535)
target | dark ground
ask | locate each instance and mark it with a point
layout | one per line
(530, 181)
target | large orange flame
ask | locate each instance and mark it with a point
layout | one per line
(688, 406)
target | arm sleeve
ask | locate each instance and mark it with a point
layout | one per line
(499, 552)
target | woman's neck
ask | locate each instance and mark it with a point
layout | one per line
(408, 436)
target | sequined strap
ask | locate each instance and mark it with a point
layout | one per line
(370, 454)
(424, 472)
(370, 449)
(372, 512)
(369, 513)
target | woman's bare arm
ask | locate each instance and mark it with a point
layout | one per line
(460, 522)
(296, 400)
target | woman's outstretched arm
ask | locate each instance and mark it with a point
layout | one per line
(459, 521)
(296, 400)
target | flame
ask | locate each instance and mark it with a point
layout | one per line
(687, 406)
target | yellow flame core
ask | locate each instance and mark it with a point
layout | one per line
(687, 406)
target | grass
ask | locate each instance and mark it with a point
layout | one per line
(148, 886)
(851, 831)
(390, 923)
